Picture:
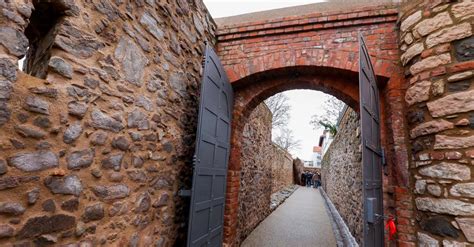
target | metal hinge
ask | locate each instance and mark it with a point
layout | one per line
(187, 193)
(184, 193)
(195, 161)
(383, 157)
(384, 163)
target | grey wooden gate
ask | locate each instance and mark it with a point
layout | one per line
(211, 158)
(372, 153)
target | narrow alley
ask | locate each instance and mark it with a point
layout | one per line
(302, 220)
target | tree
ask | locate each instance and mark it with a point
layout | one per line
(328, 118)
(286, 140)
(280, 108)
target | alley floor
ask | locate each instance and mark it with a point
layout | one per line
(302, 220)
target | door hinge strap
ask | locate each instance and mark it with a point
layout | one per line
(184, 193)
(384, 162)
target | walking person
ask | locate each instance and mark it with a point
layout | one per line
(309, 179)
(303, 179)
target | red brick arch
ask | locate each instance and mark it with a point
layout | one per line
(252, 90)
(319, 52)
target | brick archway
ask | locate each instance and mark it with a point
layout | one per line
(320, 52)
(252, 90)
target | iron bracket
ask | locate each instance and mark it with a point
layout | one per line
(184, 193)
(383, 157)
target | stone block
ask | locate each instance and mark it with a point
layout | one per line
(112, 192)
(461, 76)
(80, 159)
(34, 161)
(463, 190)
(68, 185)
(103, 121)
(467, 227)
(39, 225)
(37, 105)
(452, 104)
(464, 49)
(446, 170)
(463, 9)
(14, 40)
(440, 226)
(132, 59)
(61, 67)
(72, 132)
(437, 88)
(411, 52)
(449, 34)
(445, 206)
(426, 240)
(410, 21)
(418, 93)
(430, 25)
(431, 127)
(453, 142)
(430, 63)
(459, 86)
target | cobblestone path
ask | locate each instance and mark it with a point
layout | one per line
(301, 220)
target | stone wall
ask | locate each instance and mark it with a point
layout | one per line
(282, 168)
(98, 137)
(437, 49)
(266, 168)
(341, 173)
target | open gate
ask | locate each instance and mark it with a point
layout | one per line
(372, 153)
(206, 217)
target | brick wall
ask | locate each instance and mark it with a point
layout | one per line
(266, 169)
(341, 173)
(95, 147)
(316, 50)
(436, 43)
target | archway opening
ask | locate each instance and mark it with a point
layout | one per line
(250, 93)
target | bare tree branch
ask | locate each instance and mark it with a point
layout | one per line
(280, 108)
(286, 140)
(328, 118)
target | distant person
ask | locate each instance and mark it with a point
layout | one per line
(303, 179)
(317, 180)
(309, 178)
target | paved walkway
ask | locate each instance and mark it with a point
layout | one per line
(301, 220)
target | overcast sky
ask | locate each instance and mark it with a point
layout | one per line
(223, 8)
(304, 103)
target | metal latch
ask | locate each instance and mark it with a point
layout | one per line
(371, 215)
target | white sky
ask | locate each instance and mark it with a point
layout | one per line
(304, 103)
(223, 8)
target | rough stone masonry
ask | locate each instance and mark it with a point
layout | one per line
(341, 170)
(98, 129)
(437, 50)
(267, 169)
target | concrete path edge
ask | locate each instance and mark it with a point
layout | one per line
(341, 231)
